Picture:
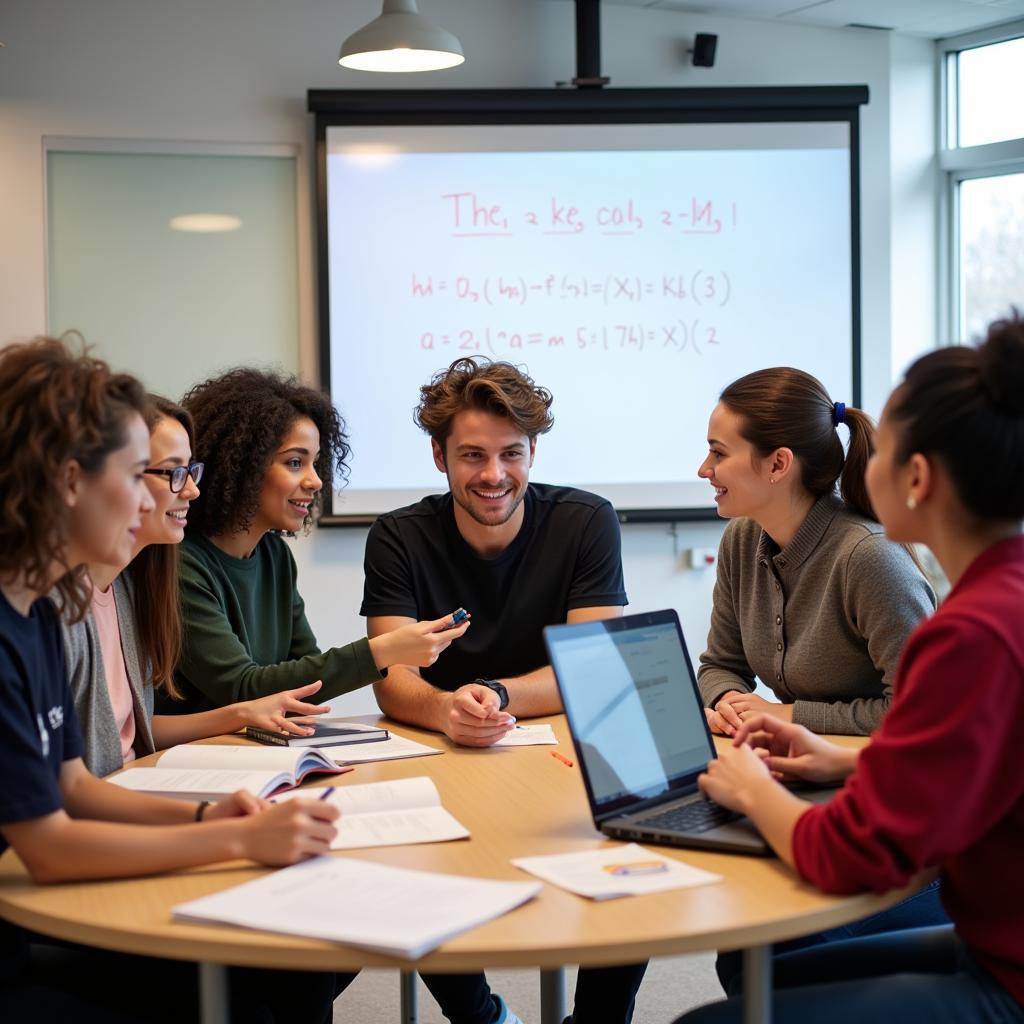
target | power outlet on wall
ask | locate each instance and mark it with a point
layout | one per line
(700, 558)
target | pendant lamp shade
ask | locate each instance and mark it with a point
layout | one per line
(401, 39)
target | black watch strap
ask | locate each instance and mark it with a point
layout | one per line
(498, 688)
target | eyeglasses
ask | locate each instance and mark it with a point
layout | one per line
(180, 474)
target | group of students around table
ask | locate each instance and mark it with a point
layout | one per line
(147, 599)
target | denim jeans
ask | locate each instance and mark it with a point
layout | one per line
(65, 981)
(605, 995)
(463, 998)
(920, 975)
(921, 910)
(62, 981)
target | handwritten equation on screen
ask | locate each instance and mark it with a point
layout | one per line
(472, 216)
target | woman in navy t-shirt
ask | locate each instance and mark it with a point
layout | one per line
(73, 445)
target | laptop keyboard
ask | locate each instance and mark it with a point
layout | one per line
(698, 816)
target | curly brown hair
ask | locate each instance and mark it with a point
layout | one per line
(154, 575)
(56, 406)
(240, 419)
(478, 383)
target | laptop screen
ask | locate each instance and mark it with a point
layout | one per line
(633, 707)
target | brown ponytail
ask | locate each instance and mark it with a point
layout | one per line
(783, 407)
(852, 478)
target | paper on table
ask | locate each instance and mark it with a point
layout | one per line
(527, 736)
(628, 870)
(388, 910)
(389, 814)
(392, 749)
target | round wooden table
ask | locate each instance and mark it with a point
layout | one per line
(515, 801)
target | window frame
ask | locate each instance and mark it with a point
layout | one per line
(957, 164)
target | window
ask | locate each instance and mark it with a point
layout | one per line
(991, 253)
(982, 155)
(192, 248)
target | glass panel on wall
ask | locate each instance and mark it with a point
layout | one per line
(175, 266)
(991, 250)
(990, 93)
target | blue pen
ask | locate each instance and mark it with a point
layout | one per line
(327, 792)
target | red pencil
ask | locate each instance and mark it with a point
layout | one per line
(562, 758)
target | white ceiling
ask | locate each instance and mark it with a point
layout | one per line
(931, 18)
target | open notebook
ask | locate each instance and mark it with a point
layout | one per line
(388, 814)
(199, 771)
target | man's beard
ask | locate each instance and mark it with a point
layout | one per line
(472, 512)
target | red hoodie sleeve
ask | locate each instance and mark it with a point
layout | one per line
(941, 771)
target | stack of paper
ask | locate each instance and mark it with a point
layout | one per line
(628, 870)
(384, 909)
(388, 814)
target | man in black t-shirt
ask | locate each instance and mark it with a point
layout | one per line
(518, 556)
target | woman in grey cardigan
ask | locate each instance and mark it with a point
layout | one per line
(810, 597)
(146, 602)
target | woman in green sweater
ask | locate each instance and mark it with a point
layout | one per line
(269, 443)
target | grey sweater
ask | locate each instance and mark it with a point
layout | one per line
(821, 622)
(89, 686)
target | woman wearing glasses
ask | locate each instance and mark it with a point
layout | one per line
(129, 641)
(270, 444)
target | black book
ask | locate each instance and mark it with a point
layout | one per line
(324, 736)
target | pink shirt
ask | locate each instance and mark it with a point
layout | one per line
(104, 613)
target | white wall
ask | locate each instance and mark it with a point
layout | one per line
(238, 71)
(914, 199)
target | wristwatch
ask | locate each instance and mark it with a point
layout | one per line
(493, 684)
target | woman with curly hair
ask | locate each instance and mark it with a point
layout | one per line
(128, 643)
(268, 443)
(73, 450)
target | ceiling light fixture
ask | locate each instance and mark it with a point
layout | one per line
(205, 223)
(401, 39)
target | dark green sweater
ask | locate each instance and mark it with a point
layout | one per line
(246, 633)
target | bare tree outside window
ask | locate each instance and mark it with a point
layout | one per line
(992, 250)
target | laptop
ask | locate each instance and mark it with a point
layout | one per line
(637, 722)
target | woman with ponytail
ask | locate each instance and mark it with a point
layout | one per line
(941, 785)
(810, 598)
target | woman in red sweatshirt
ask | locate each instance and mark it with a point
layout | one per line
(942, 782)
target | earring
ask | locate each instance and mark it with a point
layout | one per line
(771, 479)
(911, 502)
